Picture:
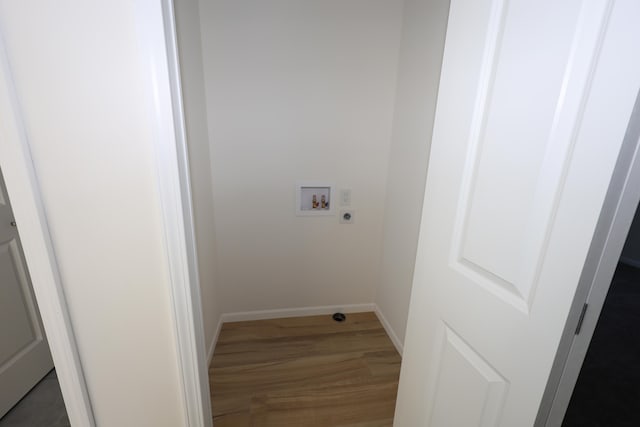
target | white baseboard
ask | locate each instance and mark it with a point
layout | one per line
(387, 327)
(214, 341)
(303, 311)
(630, 261)
(295, 312)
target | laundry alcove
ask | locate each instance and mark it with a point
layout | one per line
(343, 93)
(281, 92)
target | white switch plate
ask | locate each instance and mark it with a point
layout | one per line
(345, 197)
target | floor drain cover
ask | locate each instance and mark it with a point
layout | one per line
(339, 317)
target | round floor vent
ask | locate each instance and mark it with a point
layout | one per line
(339, 317)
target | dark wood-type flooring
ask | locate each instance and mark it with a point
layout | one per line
(304, 371)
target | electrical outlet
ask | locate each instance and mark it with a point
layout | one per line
(347, 216)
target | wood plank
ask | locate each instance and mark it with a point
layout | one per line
(234, 420)
(226, 404)
(276, 375)
(305, 371)
(384, 362)
(364, 401)
(247, 352)
(377, 423)
(295, 326)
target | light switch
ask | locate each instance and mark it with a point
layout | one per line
(345, 197)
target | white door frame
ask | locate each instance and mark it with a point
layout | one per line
(26, 200)
(157, 33)
(157, 41)
(611, 232)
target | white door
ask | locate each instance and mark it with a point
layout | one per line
(24, 353)
(534, 100)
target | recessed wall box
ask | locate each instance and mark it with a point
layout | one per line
(315, 198)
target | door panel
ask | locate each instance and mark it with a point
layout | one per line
(469, 391)
(20, 314)
(24, 353)
(512, 150)
(531, 113)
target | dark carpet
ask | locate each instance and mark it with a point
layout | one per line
(607, 393)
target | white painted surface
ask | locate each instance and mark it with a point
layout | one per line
(28, 209)
(531, 115)
(24, 353)
(88, 125)
(424, 28)
(296, 312)
(195, 110)
(159, 53)
(296, 91)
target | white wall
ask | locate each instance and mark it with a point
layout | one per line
(193, 94)
(423, 35)
(84, 99)
(298, 90)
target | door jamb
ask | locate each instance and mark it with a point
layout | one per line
(611, 232)
(155, 20)
(156, 24)
(31, 218)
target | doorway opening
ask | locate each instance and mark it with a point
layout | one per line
(275, 88)
(608, 387)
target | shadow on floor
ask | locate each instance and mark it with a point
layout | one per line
(41, 407)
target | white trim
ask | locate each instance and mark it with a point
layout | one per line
(212, 347)
(295, 312)
(201, 384)
(387, 327)
(304, 311)
(156, 26)
(26, 200)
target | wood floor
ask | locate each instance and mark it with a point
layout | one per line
(304, 372)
